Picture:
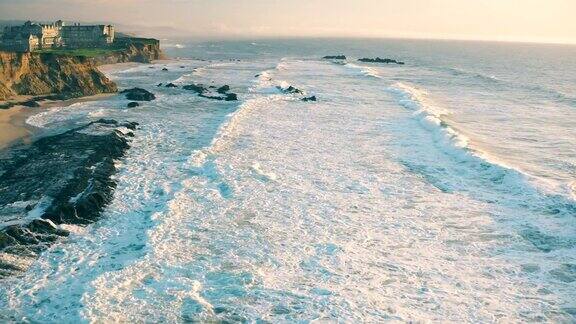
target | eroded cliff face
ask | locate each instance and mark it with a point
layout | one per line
(137, 50)
(40, 74)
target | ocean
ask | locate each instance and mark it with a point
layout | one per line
(443, 189)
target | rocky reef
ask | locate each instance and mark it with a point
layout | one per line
(45, 73)
(211, 92)
(334, 57)
(58, 179)
(380, 60)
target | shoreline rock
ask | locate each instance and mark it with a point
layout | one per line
(59, 179)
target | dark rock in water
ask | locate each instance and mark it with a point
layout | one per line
(290, 89)
(171, 85)
(30, 103)
(205, 92)
(231, 97)
(159, 84)
(182, 66)
(58, 179)
(133, 104)
(164, 69)
(223, 89)
(334, 57)
(138, 94)
(380, 60)
(198, 88)
(313, 98)
(257, 75)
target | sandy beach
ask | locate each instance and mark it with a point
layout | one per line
(13, 125)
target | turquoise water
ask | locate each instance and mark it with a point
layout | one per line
(443, 189)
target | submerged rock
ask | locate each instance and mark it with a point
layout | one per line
(58, 179)
(138, 94)
(171, 85)
(133, 104)
(159, 84)
(164, 69)
(380, 60)
(334, 57)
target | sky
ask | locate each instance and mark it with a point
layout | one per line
(550, 21)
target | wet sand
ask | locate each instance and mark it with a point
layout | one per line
(13, 126)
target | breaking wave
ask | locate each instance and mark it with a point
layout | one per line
(365, 70)
(541, 194)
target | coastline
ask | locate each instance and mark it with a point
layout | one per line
(13, 119)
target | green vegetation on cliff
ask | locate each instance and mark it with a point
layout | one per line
(70, 72)
(129, 49)
(83, 52)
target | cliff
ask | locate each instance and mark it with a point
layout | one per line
(44, 73)
(70, 73)
(141, 50)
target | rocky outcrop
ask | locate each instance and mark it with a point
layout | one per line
(40, 74)
(138, 94)
(312, 98)
(293, 90)
(140, 50)
(290, 89)
(221, 93)
(380, 60)
(334, 57)
(59, 179)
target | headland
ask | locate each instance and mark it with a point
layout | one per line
(42, 65)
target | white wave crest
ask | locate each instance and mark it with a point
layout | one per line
(453, 142)
(365, 70)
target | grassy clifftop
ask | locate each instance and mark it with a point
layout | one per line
(128, 49)
(70, 72)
